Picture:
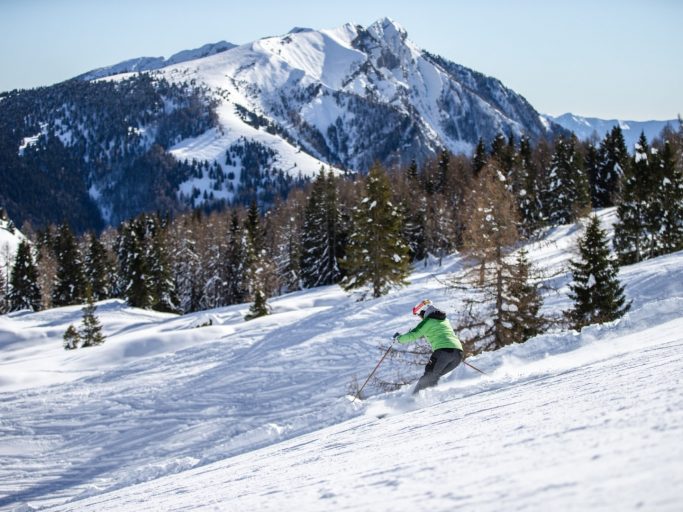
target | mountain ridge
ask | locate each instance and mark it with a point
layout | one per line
(247, 122)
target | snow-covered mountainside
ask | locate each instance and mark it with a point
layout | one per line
(353, 95)
(208, 412)
(585, 127)
(152, 63)
(225, 124)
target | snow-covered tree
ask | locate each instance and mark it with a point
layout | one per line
(257, 264)
(612, 161)
(24, 291)
(91, 330)
(567, 196)
(72, 339)
(527, 190)
(321, 237)
(133, 265)
(665, 216)
(69, 286)
(632, 237)
(522, 313)
(161, 283)
(376, 253)
(99, 269)
(596, 291)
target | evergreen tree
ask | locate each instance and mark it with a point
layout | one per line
(134, 269)
(91, 330)
(528, 191)
(161, 283)
(612, 162)
(186, 273)
(256, 264)
(3, 290)
(631, 233)
(668, 230)
(72, 339)
(440, 227)
(522, 314)
(412, 206)
(24, 291)
(567, 197)
(376, 252)
(443, 171)
(235, 264)
(99, 270)
(597, 294)
(259, 307)
(321, 246)
(69, 287)
(479, 157)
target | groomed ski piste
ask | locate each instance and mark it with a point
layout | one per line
(174, 414)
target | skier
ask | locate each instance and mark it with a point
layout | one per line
(437, 330)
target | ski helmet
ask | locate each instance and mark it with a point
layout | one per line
(421, 306)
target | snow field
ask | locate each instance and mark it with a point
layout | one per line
(170, 414)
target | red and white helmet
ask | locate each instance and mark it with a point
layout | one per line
(421, 306)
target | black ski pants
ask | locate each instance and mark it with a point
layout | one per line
(443, 360)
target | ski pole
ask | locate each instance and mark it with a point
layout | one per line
(373, 372)
(474, 368)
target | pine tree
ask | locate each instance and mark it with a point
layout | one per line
(3, 289)
(376, 252)
(259, 307)
(528, 192)
(24, 291)
(597, 294)
(668, 230)
(72, 339)
(568, 196)
(479, 158)
(411, 202)
(91, 330)
(235, 264)
(522, 314)
(69, 287)
(99, 270)
(161, 283)
(134, 269)
(256, 264)
(612, 161)
(631, 233)
(321, 248)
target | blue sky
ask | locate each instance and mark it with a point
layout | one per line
(609, 59)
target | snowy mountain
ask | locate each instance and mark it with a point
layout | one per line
(206, 411)
(227, 124)
(151, 63)
(585, 127)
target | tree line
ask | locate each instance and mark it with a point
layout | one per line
(364, 232)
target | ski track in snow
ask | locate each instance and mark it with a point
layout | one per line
(252, 415)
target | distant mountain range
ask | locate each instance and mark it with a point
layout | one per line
(224, 123)
(586, 127)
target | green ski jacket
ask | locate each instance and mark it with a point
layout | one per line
(438, 332)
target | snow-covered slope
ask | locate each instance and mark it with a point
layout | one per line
(152, 63)
(351, 96)
(172, 413)
(585, 127)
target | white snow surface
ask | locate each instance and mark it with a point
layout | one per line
(171, 414)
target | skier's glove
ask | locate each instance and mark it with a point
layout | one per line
(396, 335)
